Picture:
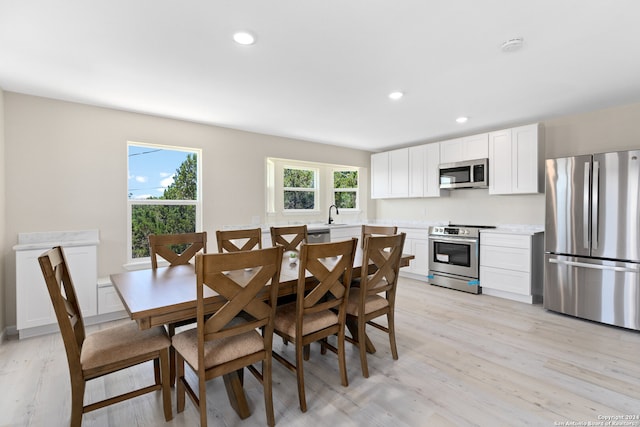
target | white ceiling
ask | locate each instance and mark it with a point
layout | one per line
(321, 70)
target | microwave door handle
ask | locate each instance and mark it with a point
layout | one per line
(585, 205)
(595, 190)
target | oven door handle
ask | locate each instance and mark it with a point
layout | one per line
(453, 240)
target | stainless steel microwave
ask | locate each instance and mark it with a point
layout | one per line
(469, 174)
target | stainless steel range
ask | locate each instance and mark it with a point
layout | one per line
(454, 257)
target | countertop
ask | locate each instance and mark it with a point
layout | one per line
(527, 230)
(49, 239)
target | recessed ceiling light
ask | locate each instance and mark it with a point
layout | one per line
(462, 119)
(244, 38)
(512, 45)
(396, 95)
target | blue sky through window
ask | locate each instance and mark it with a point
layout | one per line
(151, 170)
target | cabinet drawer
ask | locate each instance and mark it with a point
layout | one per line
(507, 240)
(506, 258)
(505, 280)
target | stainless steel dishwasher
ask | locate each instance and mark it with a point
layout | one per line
(318, 235)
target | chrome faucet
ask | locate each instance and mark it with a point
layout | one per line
(330, 220)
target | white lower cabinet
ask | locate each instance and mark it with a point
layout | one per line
(511, 265)
(417, 244)
(34, 310)
(108, 299)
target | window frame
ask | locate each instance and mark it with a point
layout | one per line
(352, 189)
(315, 189)
(143, 261)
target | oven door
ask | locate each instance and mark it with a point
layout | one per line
(454, 255)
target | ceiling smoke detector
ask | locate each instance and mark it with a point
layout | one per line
(512, 45)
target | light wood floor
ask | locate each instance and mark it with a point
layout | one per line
(465, 360)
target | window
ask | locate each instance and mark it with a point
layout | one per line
(300, 188)
(345, 189)
(163, 193)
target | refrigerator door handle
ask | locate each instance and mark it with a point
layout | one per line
(594, 266)
(585, 206)
(595, 190)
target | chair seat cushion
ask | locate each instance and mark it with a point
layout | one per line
(285, 320)
(218, 351)
(121, 343)
(372, 302)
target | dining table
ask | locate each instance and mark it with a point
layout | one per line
(154, 297)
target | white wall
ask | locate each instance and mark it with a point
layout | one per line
(67, 171)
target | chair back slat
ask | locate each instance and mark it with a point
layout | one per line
(167, 245)
(331, 264)
(290, 237)
(65, 304)
(385, 253)
(239, 240)
(242, 279)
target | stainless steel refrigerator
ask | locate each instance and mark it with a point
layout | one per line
(592, 233)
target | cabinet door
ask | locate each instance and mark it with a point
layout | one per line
(432, 172)
(500, 162)
(475, 147)
(83, 268)
(451, 151)
(527, 161)
(420, 249)
(417, 170)
(399, 172)
(424, 176)
(379, 175)
(33, 304)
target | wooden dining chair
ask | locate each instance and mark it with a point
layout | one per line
(228, 340)
(103, 352)
(177, 249)
(376, 230)
(321, 311)
(239, 240)
(377, 292)
(290, 237)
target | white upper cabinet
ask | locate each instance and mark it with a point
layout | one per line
(516, 160)
(390, 174)
(399, 172)
(380, 175)
(462, 149)
(423, 171)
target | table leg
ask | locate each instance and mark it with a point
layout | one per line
(352, 325)
(233, 383)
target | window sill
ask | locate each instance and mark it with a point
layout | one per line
(142, 265)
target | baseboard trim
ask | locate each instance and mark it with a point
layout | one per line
(8, 333)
